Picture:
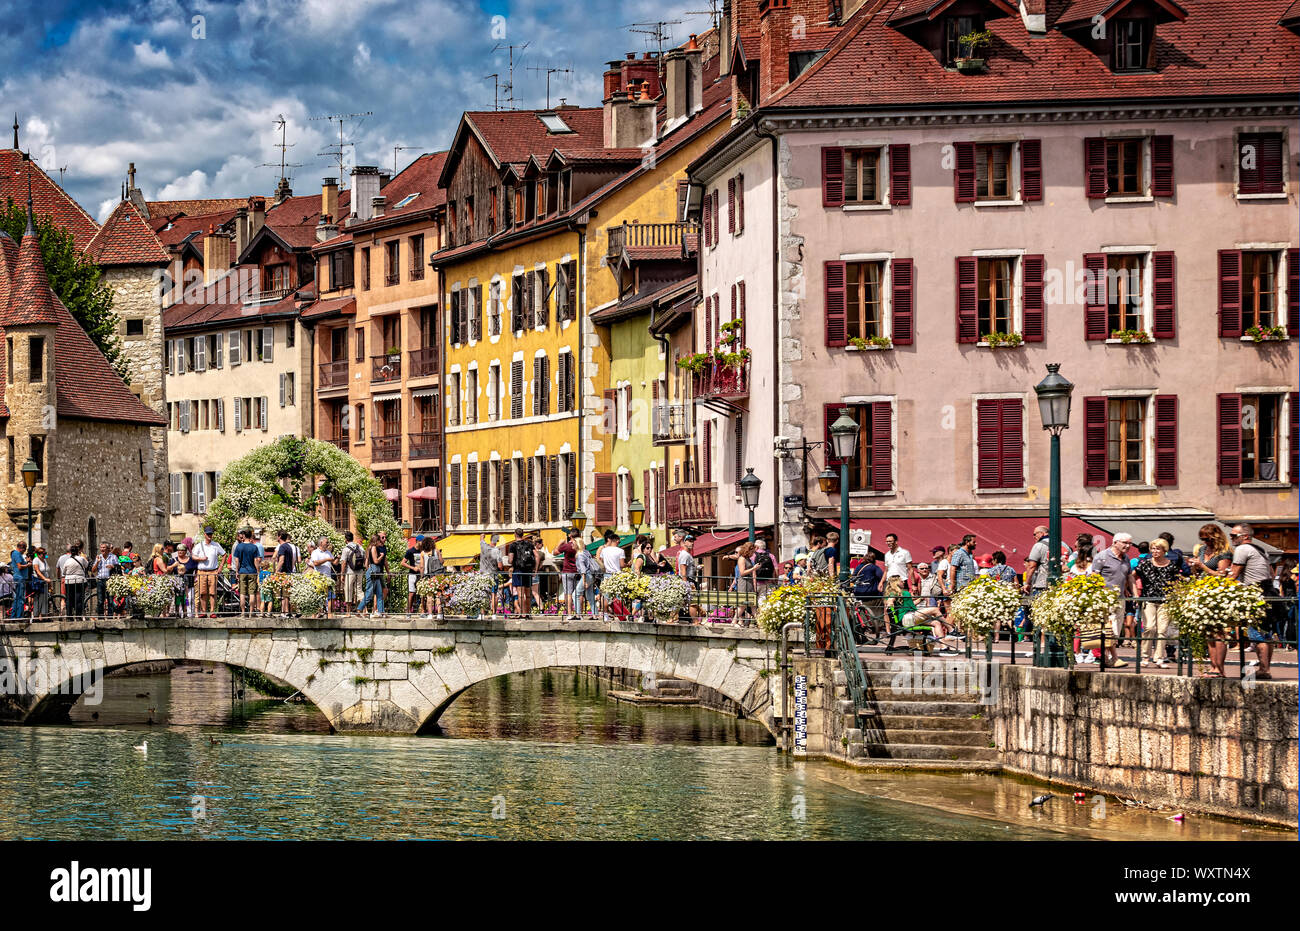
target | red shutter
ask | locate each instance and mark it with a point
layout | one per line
(832, 176)
(967, 299)
(708, 323)
(605, 482)
(1094, 311)
(662, 494)
(1094, 442)
(1230, 292)
(648, 501)
(1034, 323)
(1270, 163)
(717, 228)
(740, 342)
(1013, 443)
(740, 203)
(1229, 414)
(1166, 439)
(717, 317)
(988, 426)
(1293, 293)
(1164, 287)
(830, 414)
(903, 301)
(731, 205)
(900, 174)
(963, 178)
(837, 319)
(1094, 167)
(1162, 166)
(610, 413)
(707, 451)
(1031, 170)
(882, 448)
(1293, 402)
(733, 302)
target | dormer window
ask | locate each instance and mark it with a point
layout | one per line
(1132, 50)
(954, 27)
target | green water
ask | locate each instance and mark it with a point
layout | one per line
(543, 755)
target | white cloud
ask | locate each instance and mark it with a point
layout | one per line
(105, 208)
(187, 187)
(150, 57)
(362, 56)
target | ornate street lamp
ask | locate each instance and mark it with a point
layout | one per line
(828, 481)
(750, 488)
(30, 473)
(844, 443)
(578, 520)
(1054, 409)
(636, 514)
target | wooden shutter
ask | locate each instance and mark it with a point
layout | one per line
(544, 302)
(1293, 417)
(484, 492)
(1094, 167)
(453, 506)
(200, 353)
(262, 416)
(740, 203)
(661, 489)
(900, 174)
(988, 443)
(1031, 170)
(239, 413)
(1269, 149)
(471, 494)
(1164, 289)
(1094, 442)
(1230, 292)
(707, 452)
(1229, 420)
(832, 176)
(571, 480)
(506, 506)
(562, 386)
(1293, 293)
(605, 482)
(1166, 460)
(516, 304)
(546, 384)
(903, 297)
(649, 500)
(1162, 166)
(1095, 325)
(706, 219)
(609, 421)
(1035, 324)
(716, 205)
(217, 345)
(517, 388)
(221, 415)
(963, 178)
(553, 488)
(731, 206)
(282, 391)
(199, 486)
(738, 448)
(185, 417)
(734, 300)
(882, 446)
(168, 360)
(268, 344)
(1012, 443)
(180, 357)
(740, 336)
(967, 299)
(837, 320)
(177, 504)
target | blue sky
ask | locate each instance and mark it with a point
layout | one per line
(194, 102)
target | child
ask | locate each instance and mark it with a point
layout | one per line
(262, 576)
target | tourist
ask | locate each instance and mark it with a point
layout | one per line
(611, 555)
(411, 561)
(1036, 564)
(1000, 570)
(906, 613)
(898, 561)
(589, 576)
(746, 584)
(1154, 578)
(430, 564)
(40, 583)
(688, 570)
(105, 566)
(643, 557)
(817, 562)
(939, 562)
(376, 562)
(540, 556)
(1112, 564)
(285, 561)
(208, 552)
(354, 572)
(962, 568)
(929, 587)
(323, 561)
(523, 561)
(1176, 556)
(74, 575)
(1081, 562)
(1250, 567)
(832, 550)
(21, 567)
(129, 555)
(489, 563)
(764, 567)
(866, 580)
(246, 557)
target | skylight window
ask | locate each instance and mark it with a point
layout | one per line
(406, 200)
(553, 123)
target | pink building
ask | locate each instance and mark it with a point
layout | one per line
(1104, 184)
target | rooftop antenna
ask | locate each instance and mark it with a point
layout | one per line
(283, 146)
(712, 13)
(549, 72)
(16, 132)
(399, 148)
(509, 86)
(336, 151)
(496, 89)
(657, 33)
(61, 171)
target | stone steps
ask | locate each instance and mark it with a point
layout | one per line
(958, 709)
(922, 722)
(949, 752)
(878, 694)
(934, 738)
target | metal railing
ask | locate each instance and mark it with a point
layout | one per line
(671, 423)
(722, 381)
(386, 367)
(425, 445)
(424, 362)
(334, 374)
(648, 234)
(386, 448)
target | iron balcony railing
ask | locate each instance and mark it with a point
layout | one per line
(424, 362)
(341, 440)
(386, 448)
(425, 445)
(671, 424)
(691, 504)
(386, 367)
(334, 374)
(725, 382)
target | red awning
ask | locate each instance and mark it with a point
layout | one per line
(709, 543)
(1012, 535)
(427, 493)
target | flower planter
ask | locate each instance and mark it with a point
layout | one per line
(970, 65)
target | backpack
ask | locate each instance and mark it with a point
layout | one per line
(355, 560)
(525, 559)
(584, 562)
(764, 566)
(817, 561)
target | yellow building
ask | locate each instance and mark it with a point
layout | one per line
(531, 412)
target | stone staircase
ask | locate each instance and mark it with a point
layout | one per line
(916, 726)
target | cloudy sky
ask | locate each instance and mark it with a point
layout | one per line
(190, 90)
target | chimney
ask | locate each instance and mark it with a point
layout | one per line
(365, 187)
(684, 88)
(377, 205)
(724, 42)
(774, 48)
(241, 231)
(216, 255)
(256, 215)
(329, 197)
(282, 191)
(384, 178)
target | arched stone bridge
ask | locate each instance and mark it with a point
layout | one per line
(383, 675)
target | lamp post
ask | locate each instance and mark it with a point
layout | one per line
(844, 443)
(636, 514)
(1054, 409)
(750, 487)
(578, 520)
(30, 471)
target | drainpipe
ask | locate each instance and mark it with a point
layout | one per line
(766, 133)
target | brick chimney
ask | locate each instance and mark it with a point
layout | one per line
(774, 48)
(216, 255)
(329, 197)
(256, 215)
(365, 187)
(632, 87)
(241, 231)
(684, 82)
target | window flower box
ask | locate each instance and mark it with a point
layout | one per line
(868, 343)
(1002, 341)
(1129, 337)
(1268, 334)
(970, 65)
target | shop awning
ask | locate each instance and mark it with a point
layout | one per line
(712, 542)
(1012, 535)
(459, 547)
(622, 541)
(427, 493)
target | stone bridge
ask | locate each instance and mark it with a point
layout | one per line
(382, 675)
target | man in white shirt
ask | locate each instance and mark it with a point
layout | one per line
(898, 561)
(208, 552)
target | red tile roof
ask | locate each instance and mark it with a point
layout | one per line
(294, 219)
(1221, 48)
(511, 136)
(49, 201)
(221, 302)
(420, 177)
(195, 208)
(126, 239)
(1082, 12)
(1292, 14)
(345, 306)
(174, 230)
(31, 302)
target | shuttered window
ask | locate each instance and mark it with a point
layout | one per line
(1031, 170)
(1000, 442)
(832, 176)
(871, 468)
(453, 494)
(900, 175)
(605, 486)
(517, 388)
(471, 494)
(1259, 163)
(1166, 453)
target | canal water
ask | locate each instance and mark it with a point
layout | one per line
(540, 755)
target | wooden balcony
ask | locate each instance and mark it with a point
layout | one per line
(691, 505)
(386, 368)
(671, 424)
(424, 362)
(426, 445)
(386, 448)
(333, 375)
(632, 235)
(722, 382)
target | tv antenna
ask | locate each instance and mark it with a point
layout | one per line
(711, 13)
(283, 146)
(399, 148)
(550, 71)
(61, 171)
(496, 89)
(509, 87)
(337, 151)
(657, 33)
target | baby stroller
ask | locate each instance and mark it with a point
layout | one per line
(227, 593)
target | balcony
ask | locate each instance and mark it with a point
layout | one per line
(417, 273)
(424, 362)
(333, 374)
(639, 235)
(671, 424)
(692, 505)
(341, 440)
(386, 448)
(386, 367)
(426, 445)
(392, 278)
(722, 382)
